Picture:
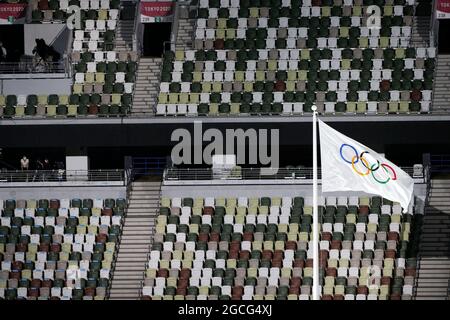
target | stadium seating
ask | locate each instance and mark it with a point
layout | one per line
(283, 56)
(58, 249)
(103, 78)
(250, 248)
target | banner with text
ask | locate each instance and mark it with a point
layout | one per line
(156, 11)
(12, 12)
(443, 9)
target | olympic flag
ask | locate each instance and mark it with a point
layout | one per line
(347, 165)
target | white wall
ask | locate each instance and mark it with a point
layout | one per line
(36, 86)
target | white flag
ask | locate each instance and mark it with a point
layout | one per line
(347, 165)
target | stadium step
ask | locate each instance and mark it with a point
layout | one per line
(441, 94)
(420, 35)
(184, 34)
(136, 241)
(124, 35)
(146, 93)
(434, 249)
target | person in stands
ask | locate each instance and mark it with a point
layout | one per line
(3, 52)
(24, 163)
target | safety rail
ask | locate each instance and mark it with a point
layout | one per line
(440, 163)
(122, 223)
(150, 245)
(61, 175)
(147, 166)
(238, 173)
(137, 28)
(29, 67)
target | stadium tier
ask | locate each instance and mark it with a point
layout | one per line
(46, 244)
(103, 78)
(240, 248)
(281, 57)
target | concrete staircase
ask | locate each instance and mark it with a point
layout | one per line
(441, 93)
(184, 34)
(147, 86)
(420, 33)
(434, 249)
(124, 35)
(136, 240)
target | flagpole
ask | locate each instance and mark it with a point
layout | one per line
(315, 242)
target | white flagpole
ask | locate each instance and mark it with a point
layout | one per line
(315, 242)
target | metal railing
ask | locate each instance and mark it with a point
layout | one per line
(61, 175)
(237, 173)
(145, 166)
(30, 67)
(128, 181)
(440, 163)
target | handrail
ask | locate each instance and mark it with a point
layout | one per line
(238, 173)
(151, 243)
(136, 43)
(61, 175)
(28, 67)
(128, 181)
(175, 24)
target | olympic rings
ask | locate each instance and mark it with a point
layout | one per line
(371, 168)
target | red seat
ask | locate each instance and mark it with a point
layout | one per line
(89, 292)
(46, 283)
(327, 297)
(185, 273)
(299, 263)
(392, 236)
(364, 210)
(296, 282)
(214, 236)
(16, 265)
(43, 247)
(389, 254)
(410, 272)
(54, 203)
(338, 297)
(162, 273)
(21, 247)
(203, 237)
(244, 255)
(107, 212)
(55, 247)
(43, 5)
(291, 245)
(33, 292)
(294, 290)
(237, 290)
(331, 272)
(181, 291)
(336, 244)
(362, 290)
(208, 211)
(326, 236)
(35, 283)
(101, 238)
(247, 236)
(219, 44)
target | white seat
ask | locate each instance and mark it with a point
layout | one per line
(111, 25)
(111, 56)
(101, 25)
